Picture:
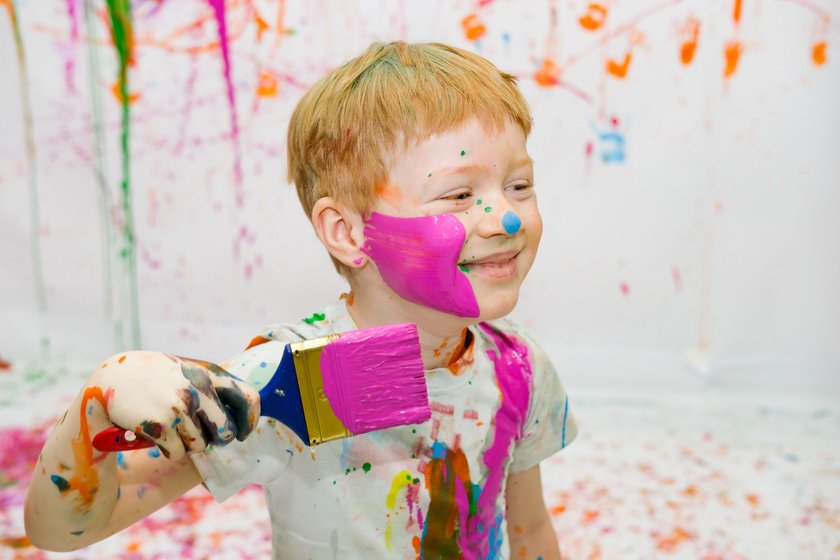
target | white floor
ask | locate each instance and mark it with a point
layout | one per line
(708, 476)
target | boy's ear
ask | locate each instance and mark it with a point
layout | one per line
(341, 230)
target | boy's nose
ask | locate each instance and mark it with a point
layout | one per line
(500, 220)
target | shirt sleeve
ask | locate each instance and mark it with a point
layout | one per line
(268, 451)
(549, 426)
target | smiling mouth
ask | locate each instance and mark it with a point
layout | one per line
(501, 266)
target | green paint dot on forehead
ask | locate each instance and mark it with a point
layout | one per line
(478, 202)
(463, 152)
(487, 209)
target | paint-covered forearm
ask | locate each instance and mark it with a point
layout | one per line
(80, 495)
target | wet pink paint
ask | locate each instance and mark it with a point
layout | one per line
(219, 12)
(513, 375)
(418, 259)
(374, 378)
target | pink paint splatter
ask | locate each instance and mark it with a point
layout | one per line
(219, 11)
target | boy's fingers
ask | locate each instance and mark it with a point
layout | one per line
(242, 402)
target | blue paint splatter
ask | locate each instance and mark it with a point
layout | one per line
(154, 452)
(511, 222)
(60, 482)
(121, 460)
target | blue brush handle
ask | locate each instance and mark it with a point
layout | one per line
(280, 398)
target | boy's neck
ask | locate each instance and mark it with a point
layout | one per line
(442, 339)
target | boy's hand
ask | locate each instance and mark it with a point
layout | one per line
(180, 404)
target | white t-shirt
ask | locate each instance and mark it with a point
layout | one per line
(432, 490)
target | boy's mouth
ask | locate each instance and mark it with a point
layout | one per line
(497, 265)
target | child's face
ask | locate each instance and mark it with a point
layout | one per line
(472, 265)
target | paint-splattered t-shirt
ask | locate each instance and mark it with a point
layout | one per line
(432, 490)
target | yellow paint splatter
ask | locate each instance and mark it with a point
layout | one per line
(400, 481)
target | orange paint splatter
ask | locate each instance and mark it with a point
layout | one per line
(619, 69)
(86, 479)
(589, 515)
(818, 53)
(753, 499)
(122, 359)
(549, 73)
(459, 360)
(557, 510)
(267, 85)
(262, 25)
(473, 28)
(15, 542)
(670, 542)
(732, 52)
(689, 47)
(594, 18)
(115, 90)
(736, 11)
(256, 341)
(389, 193)
(349, 296)
(5, 366)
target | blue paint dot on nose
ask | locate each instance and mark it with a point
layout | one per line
(511, 222)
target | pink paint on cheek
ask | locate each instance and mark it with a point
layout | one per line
(418, 259)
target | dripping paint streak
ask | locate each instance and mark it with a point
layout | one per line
(119, 12)
(32, 168)
(101, 175)
(219, 10)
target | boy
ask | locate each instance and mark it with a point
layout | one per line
(411, 162)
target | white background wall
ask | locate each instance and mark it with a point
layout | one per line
(709, 256)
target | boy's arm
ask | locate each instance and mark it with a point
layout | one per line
(129, 488)
(530, 531)
(79, 495)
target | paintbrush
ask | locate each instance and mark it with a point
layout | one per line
(333, 387)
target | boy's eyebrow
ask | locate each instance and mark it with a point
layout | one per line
(475, 167)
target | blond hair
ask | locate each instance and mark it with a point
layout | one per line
(347, 125)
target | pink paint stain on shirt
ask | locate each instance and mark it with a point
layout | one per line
(418, 259)
(513, 375)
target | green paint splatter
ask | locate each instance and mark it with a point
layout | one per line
(463, 153)
(430, 174)
(487, 209)
(463, 268)
(315, 317)
(478, 202)
(347, 471)
(366, 467)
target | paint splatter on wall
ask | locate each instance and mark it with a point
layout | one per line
(143, 185)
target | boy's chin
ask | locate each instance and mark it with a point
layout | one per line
(493, 308)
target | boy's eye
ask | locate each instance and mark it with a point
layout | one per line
(464, 195)
(521, 187)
